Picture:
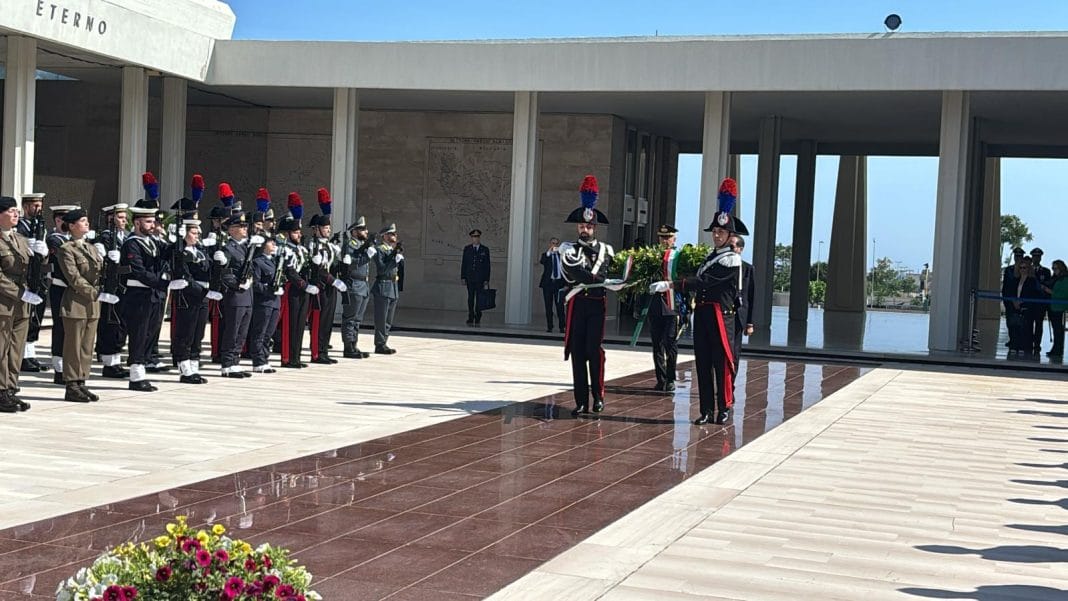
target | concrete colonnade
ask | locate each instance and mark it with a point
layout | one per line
(20, 99)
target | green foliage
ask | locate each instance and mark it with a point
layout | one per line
(818, 272)
(1014, 232)
(648, 265)
(886, 282)
(783, 260)
(817, 292)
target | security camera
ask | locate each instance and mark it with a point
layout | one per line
(892, 22)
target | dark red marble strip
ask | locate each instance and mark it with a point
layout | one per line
(452, 511)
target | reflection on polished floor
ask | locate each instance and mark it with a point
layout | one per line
(451, 511)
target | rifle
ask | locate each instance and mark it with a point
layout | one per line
(246, 267)
(36, 272)
(177, 262)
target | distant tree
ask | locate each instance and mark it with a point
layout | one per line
(886, 282)
(783, 260)
(1014, 232)
(817, 292)
(817, 272)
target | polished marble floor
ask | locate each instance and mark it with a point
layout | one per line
(455, 510)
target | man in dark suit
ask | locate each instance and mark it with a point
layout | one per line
(745, 311)
(552, 280)
(475, 273)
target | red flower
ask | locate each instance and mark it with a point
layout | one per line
(284, 591)
(203, 558)
(189, 545)
(233, 588)
(270, 581)
(163, 574)
(114, 593)
(130, 592)
(250, 565)
(266, 562)
(222, 556)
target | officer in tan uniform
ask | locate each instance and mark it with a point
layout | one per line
(15, 303)
(82, 265)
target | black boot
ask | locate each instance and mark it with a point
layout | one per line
(598, 404)
(86, 391)
(143, 386)
(76, 395)
(724, 417)
(704, 419)
(20, 404)
(115, 372)
(57, 378)
(579, 409)
(351, 352)
(7, 404)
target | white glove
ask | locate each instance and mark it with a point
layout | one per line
(341, 287)
(165, 276)
(113, 256)
(90, 235)
(208, 242)
(614, 284)
(280, 292)
(312, 289)
(400, 257)
(103, 252)
(371, 252)
(31, 298)
(171, 229)
(109, 299)
(317, 259)
(347, 259)
(214, 295)
(177, 285)
(39, 246)
(220, 257)
(257, 240)
(656, 287)
(172, 238)
(246, 284)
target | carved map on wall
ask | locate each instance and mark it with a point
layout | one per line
(468, 186)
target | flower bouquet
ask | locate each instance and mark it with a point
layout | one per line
(183, 565)
(647, 266)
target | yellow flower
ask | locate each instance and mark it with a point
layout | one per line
(202, 537)
(162, 541)
(218, 529)
(171, 529)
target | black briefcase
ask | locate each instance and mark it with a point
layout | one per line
(487, 299)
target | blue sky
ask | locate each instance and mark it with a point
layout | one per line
(901, 191)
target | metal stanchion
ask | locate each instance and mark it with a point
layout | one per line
(972, 344)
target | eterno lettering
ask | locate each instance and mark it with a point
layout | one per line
(73, 18)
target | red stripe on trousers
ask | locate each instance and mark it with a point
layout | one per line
(283, 319)
(567, 328)
(728, 371)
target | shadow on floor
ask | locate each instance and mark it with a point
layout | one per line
(1045, 466)
(1002, 592)
(1008, 553)
(1040, 528)
(1063, 503)
(1055, 483)
(1039, 413)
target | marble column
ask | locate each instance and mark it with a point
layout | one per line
(519, 294)
(989, 312)
(172, 180)
(843, 315)
(20, 97)
(133, 134)
(804, 201)
(763, 228)
(951, 211)
(715, 157)
(345, 144)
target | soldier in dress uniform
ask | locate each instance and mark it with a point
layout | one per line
(324, 257)
(388, 258)
(111, 330)
(16, 302)
(55, 239)
(356, 258)
(236, 304)
(190, 314)
(663, 315)
(267, 289)
(82, 265)
(586, 261)
(293, 312)
(147, 284)
(32, 214)
(717, 286)
(475, 274)
(217, 239)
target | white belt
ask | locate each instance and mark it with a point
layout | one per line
(59, 283)
(135, 284)
(202, 284)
